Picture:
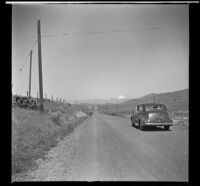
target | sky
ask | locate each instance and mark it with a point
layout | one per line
(130, 50)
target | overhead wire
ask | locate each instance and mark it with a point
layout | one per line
(97, 32)
(112, 31)
(25, 62)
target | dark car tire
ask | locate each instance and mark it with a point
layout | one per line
(141, 125)
(166, 127)
(133, 125)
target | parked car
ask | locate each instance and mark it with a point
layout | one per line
(151, 114)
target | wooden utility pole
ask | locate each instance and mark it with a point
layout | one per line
(40, 66)
(30, 73)
(153, 98)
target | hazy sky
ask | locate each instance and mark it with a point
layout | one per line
(102, 65)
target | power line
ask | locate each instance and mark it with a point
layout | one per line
(112, 31)
(25, 62)
(52, 35)
(20, 70)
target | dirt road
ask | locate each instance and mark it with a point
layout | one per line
(107, 148)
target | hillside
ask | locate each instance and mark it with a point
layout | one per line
(101, 101)
(34, 133)
(177, 100)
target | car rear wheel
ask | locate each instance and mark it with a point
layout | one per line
(132, 123)
(166, 127)
(141, 125)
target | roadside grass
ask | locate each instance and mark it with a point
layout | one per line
(117, 110)
(33, 134)
(180, 118)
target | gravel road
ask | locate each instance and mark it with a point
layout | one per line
(107, 148)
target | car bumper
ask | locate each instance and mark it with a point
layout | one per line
(158, 124)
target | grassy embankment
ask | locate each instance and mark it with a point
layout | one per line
(33, 134)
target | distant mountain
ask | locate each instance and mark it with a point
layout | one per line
(177, 100)
(174, 100)
(102, 101)
(177, 96)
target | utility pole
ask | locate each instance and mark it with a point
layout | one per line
(153, 98)
(40, 66)
(30, 73)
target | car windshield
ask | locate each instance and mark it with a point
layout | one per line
(155, 107)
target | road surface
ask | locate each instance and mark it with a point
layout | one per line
(108, 148)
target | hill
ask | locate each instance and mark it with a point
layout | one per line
(101, 101)
(176, 101)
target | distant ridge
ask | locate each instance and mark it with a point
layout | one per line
(174, 100)
(102, 101)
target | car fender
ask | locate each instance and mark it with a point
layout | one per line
(134, 118)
